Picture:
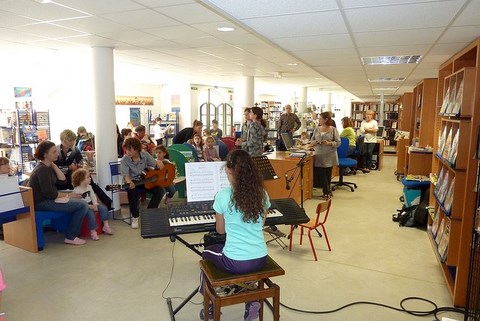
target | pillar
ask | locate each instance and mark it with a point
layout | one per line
(302, 107)
(104, 118)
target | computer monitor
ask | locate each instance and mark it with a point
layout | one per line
(287, 140)
(380, 131)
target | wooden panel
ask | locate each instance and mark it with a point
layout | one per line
(283, 164)
(428, 111)
(405, 115)
(22, 232)
(401, 155)
(419, 163)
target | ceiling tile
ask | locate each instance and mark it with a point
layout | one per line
(337, 41)
(397, 37)
(306, 24)
(10, 20)
(40, 11)
(393, 50)
(97, 7)
(252, 8)
(469, 15)
(93, 25)
(445, 48)
(140, 19)
(53, 31)
(408, 16)
(190, 13)
(461, 34)
(375, 3)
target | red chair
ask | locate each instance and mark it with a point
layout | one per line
(230, 142)
(323, 209)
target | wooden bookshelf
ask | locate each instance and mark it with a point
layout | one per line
(424, 105)
(405, 113)
(462, 67)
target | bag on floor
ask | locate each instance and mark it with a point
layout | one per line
(213, 238)
(413, 216)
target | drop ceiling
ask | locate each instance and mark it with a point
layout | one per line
(326, 38)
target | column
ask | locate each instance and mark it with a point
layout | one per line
(104, 118)
(302, 107)
(244, 97)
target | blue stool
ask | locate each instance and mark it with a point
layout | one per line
(414, 191)
(58, 221)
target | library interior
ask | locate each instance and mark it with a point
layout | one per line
(360, 120)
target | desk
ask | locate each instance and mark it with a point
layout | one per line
(281, 163)
(22, 232)
(417, 163)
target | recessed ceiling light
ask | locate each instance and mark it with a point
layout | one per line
(225, 29)
(391, 60)
(293, 64)
(385, 88)
(43, 1)
(386, 79)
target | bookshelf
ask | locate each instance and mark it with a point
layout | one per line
(453, 191)
(390, 122)
(424, 102)
(405, 113)
(271, 113)
(169, 119)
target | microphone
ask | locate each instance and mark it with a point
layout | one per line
(287, 182)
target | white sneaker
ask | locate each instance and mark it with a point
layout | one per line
(134, 222)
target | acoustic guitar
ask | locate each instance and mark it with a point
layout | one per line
(158, 177)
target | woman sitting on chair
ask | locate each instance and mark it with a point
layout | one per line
(240, 212)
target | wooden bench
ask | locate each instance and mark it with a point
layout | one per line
(214, 278)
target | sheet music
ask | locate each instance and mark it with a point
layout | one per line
(204, 180)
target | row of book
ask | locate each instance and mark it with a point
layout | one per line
(365, 107)
(390, 107)
(444, 190)
(440, 230)
(452, 101)
(448, 145)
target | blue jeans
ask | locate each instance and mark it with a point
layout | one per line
(171, 190)
(92, 222)
(369, 147)
(77, 209)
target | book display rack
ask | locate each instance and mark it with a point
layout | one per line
(453, 195)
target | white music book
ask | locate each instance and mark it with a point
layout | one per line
(204, 180)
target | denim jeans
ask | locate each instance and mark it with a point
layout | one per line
(171, 190)
(77, 209)
(134, 198)
(92, 222)
(369, 147)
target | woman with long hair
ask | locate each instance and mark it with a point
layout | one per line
(188, 132)
(46, 197)
(253, 143)
(325, 141)
(240, 213)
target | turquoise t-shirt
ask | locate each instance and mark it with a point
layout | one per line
(244, 240)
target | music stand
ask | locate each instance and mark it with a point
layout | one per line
(265, 167)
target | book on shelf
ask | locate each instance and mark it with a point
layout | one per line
(451, 99)
(443, 245)
(28, 134)
(440, 230)
(444, 107)
(457, 105)
(447, 204)
(42, 118)
(436, 222)
(447, 145)
(444, 184)
(42, 134)
(6, 135)
(441, 141)
(452, 155)
(437, 184)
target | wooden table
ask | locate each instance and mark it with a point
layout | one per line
(283, 165)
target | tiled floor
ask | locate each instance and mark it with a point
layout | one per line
(124, 277)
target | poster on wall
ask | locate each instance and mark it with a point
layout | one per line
(135, 116)
(22, 92)
(175, 100)
(133, 101)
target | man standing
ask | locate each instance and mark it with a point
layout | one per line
(289, 123)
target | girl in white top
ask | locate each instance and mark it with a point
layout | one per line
(81, 182)
(369, 128)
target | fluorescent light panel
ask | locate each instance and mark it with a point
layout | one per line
(391, 60)
(385, 88)
(386, 79)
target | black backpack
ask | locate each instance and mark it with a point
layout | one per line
(413, 216)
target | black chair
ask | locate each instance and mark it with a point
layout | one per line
(358, 155)
(343, 163)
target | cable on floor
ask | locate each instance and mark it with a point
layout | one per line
(434, 312)
(170, 281)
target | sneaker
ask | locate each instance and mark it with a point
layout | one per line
(252, 311)
(107, 230)
(94, 235)
(75, 241)
(210, 313)
(134, 222)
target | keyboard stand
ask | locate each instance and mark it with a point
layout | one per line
(192, 247)
(276, 235)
